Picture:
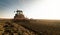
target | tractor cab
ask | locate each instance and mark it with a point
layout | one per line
(19, 16)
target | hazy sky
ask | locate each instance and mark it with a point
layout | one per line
(38, 9)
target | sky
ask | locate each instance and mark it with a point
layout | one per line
(36, 9)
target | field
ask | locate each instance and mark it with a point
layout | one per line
(32, 27)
